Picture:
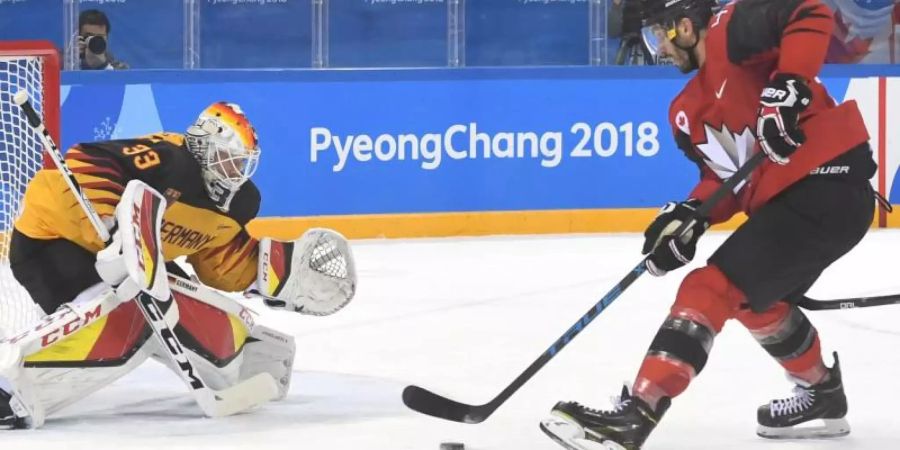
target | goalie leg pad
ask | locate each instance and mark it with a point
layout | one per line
(58, 386)
(88, 346)
(19, 406)
(272, 352)
(223, 342)
(80, 348)
(215, 376)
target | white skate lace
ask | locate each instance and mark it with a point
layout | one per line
(618, 404)
(802, 399)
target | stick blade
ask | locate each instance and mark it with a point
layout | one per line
(427, 402)
(245, 395)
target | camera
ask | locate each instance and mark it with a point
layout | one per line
(95, 44)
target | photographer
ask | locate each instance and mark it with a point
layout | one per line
(93, 42)
(632, 49)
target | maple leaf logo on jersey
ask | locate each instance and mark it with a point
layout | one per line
(681, 121)
(725, 152)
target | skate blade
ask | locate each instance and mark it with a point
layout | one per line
(571, 436)
(814, 429)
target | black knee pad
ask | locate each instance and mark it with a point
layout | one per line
(685, 340)
(795, 336)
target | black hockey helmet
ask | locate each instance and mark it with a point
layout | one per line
(667, 12)
(661, 16)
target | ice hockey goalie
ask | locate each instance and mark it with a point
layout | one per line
(87, 288)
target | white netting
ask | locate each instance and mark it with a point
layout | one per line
(20, 158)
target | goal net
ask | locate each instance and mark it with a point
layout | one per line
(32, 66)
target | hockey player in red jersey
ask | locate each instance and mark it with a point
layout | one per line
(808, 204)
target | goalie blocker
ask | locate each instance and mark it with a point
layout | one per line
(106, 335)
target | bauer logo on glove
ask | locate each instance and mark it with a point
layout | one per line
(778, 122)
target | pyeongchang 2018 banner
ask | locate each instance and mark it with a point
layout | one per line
(418, 141)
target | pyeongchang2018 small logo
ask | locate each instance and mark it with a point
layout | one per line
(550, 2)
(105, 130)
(401, 2)
(246, 2)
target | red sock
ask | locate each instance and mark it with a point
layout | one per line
(787, 334)
(705, 301)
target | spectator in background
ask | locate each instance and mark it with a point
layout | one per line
(93, 42)
(864, 32)
(614, 19)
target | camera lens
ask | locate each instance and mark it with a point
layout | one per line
(96, 44)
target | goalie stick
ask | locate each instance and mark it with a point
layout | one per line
(215, 403)
(427, 402)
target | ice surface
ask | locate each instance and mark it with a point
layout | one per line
(463, 317)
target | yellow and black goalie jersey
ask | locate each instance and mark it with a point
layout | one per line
(216, 244)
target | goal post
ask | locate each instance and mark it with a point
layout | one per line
(33, 66)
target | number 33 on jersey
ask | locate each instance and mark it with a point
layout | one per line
(215, 242)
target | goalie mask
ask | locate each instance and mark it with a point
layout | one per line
(225, 144)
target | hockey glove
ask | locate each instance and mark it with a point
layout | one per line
(313, 275)
(777, 124)
(665, 250)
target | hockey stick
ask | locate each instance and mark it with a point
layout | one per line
(214, 403)
(427, 402)
(848, 303)
(34, 120)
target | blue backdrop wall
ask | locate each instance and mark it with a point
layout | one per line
(437, 140)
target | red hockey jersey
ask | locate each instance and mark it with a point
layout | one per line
(714, 117)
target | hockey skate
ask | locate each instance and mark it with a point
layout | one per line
(8, 419)
(815, 411)
(577, 427)
(18, 405)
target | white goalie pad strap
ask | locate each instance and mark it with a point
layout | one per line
(212, 298)
(313, 275)
(136, 251)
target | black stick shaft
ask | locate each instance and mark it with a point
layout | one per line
(848, 303)
(427, 402)
(34, 120)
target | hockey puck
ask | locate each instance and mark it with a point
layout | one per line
(452, 446)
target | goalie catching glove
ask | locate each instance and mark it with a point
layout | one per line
(313, 275)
